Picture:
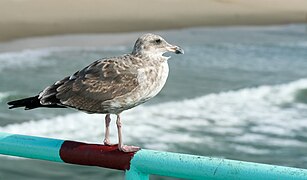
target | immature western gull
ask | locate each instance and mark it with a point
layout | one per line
(111, 85)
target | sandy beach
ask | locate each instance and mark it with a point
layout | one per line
(24, 18)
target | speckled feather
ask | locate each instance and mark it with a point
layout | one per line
(103, 83)
(111, 85)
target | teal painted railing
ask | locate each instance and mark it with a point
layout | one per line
(139, 165)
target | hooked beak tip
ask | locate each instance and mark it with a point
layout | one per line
(176, 50)
(179, 50)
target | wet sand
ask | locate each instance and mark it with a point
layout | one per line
(27, 18)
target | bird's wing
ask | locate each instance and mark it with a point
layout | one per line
(87, 89)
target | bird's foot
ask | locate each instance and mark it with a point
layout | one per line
(125, 148)
(107, 142)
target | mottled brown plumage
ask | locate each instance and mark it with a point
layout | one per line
(91, 88)
(111, 85)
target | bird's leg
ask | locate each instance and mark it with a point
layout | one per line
(122, 147)
(106, 140)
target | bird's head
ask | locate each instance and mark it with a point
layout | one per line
(154, 46)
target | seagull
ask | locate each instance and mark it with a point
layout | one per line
(111, 85)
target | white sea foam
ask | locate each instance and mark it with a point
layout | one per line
(302, 44)
(4, 95)
(35, 57)
(267, 116)
(23, 59)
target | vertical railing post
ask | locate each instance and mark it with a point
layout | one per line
(135, 174)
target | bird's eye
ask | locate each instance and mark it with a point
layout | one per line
(158, 41)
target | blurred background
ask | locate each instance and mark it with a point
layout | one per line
(239, 92)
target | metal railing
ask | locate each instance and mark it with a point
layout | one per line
(139, 165)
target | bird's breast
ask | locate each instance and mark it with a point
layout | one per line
(151, 80)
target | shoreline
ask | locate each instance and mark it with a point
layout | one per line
(32, 18)
(105, 40)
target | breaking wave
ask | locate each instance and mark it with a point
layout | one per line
(23, 59)
(249, 120)
(4, 95)
(39, 57)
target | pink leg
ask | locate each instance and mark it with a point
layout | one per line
(106, 140)
(122, 147)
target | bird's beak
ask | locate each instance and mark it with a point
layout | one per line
(175, 49)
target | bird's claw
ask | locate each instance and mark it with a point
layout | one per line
(125, 148)
(107, 142)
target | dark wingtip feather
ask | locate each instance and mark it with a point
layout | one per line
(13, 104)
(31, 103)
(26, 102)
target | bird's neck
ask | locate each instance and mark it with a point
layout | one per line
(151, 56)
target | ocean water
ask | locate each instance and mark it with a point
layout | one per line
(237, 93)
